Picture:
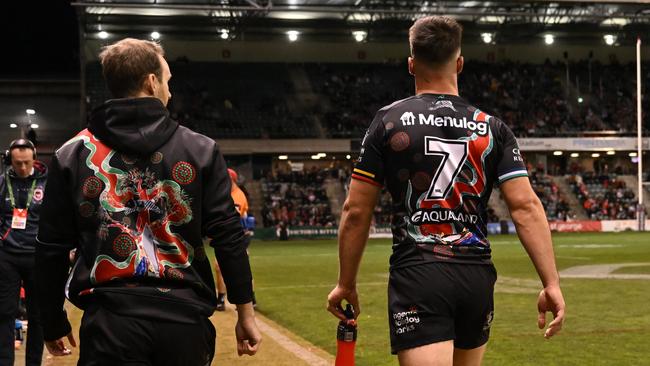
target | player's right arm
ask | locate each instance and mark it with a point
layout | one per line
(367, 180)
(532, 227)
(353, 234)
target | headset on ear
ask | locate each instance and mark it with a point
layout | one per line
(15, 144)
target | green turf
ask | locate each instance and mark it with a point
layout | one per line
(633, 270)
(607, 322)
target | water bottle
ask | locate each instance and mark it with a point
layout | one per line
(346, 338)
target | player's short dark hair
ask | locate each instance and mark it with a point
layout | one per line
(435, 39)
(127, 63)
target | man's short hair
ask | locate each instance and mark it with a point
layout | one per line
(127, 63)
(435, 39)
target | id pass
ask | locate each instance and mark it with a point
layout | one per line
(19, 220)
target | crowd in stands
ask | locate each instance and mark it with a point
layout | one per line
(355, 92)
(231, 100)
(296, 199)
(610, 94)
(604, 196)
(555, 204)
(382, 216)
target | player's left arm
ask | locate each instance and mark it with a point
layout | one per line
(56, 237)
(353, 235)
(532, 227)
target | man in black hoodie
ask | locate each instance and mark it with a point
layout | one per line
(21, 191)
(135, 193)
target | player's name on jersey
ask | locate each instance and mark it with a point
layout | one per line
(409, 119)
(429, 216)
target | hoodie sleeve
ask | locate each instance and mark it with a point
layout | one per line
(56, 237)
(221, 223)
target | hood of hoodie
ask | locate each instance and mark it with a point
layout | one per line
(133, 125)
(40, 171)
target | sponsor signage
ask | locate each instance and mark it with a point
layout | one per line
(581, 144)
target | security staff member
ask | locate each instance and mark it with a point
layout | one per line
(21, 193)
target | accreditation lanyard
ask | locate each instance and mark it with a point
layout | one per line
(19, 219)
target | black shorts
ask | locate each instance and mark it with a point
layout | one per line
(436, 302)
(109, 339)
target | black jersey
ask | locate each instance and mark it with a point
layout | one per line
(439, 158)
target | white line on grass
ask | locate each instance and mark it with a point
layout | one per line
(297, 350)
(604, 271)
(589, 246)
(575, 258)
(320, 285)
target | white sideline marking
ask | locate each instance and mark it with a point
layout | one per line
(604, 271)
(332, 285)
(576, 258)
(589, 246)
(297, 350)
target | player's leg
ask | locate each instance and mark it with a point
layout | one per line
(421, 305)
(34, 350)
(221, 288)
(9, 292)
(476, 303)
(469, 357)
(434, 354)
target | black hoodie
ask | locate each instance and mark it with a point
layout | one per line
(21, 241)
(135, 193)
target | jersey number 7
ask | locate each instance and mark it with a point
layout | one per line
(454, 155)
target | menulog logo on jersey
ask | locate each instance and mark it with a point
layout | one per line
(480, 128)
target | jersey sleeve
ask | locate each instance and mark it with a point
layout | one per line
(511, 163)
(370, 166)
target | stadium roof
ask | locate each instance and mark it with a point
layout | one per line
(382, 20)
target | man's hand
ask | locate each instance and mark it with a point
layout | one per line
(337, 296)
(550, 299)
(248, 336)
(58, 348)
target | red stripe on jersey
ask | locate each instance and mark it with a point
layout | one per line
(455, 198)
(367, 180)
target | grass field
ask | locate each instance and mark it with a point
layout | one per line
(608, 321)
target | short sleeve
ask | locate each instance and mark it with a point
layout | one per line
(370, 166)
(511, 163)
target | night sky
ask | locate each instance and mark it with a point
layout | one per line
(39, 39)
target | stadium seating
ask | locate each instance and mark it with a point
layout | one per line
(296, 199)
(260, 100)
(603, 196)
(554, 202)
(224, 100)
